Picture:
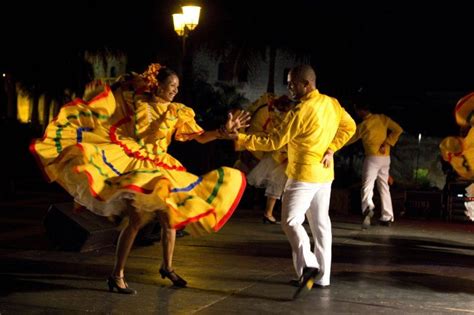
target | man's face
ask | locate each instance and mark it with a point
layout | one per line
(296, 87)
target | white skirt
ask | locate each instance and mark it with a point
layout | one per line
(270, 175)
(469, 204)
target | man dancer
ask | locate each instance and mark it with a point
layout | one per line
(313, 130)
(378, 133)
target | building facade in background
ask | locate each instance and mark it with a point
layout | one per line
(252, 81)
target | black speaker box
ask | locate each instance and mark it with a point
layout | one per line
(78, 230)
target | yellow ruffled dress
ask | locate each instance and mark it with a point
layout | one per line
(459, 151)
(110, 149)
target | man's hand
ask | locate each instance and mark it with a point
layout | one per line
(328, 158)
(383, 148)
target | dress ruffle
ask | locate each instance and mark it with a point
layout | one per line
(112, 150)
(459, 152)
(270, 175)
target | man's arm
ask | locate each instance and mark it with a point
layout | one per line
(395, 132)
(274, 140)
(347, 129)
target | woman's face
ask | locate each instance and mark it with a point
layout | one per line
(168, 89)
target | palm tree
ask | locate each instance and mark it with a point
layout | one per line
(57, 75)
(254, 36)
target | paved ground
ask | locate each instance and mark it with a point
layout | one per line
(413, 267)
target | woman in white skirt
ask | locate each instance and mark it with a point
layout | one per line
(269, 173)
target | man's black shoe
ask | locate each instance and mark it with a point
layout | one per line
(385, 223)
(307, 280)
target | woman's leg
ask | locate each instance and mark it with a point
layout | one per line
(275, 186)
(168, 239)
(137, 220)
(269, 207)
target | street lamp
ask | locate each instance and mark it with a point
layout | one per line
(185, 22)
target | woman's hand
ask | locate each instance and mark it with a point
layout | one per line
(236, 121)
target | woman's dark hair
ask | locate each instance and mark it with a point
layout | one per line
(362, 106)
(164, 74)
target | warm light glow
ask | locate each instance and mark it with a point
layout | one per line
(191, 16)
(24, 105)
(4, 74)
(178, 21)
(419, 137)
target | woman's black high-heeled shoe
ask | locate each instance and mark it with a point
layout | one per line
(266, 219)
(177, 280)
(112, 283)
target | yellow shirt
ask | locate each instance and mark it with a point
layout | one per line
(262, 121)
(264, 99)
(276, 117)
(375, 130)
(260, 118)
(312, 127)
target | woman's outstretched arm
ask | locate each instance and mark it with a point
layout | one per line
(234, 122)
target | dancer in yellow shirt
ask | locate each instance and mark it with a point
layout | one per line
(378, 134)
(313, 130)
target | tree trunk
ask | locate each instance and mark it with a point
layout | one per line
(46, 110)
(271, 70)
(35, 111)
(55, 110)
(10, 86)
(57, 106)
(235, 67)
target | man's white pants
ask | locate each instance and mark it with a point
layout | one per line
(376, 169)
(312, 199)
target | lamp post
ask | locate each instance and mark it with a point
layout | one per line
(184, 24)
(417, 158)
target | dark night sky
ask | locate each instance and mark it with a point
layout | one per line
(388, 42)
(399, 52)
